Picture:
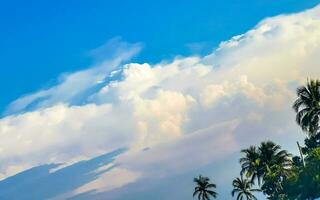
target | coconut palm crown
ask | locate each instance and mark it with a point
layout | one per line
(250, 164)
(242, 187)
(204, 189)
(257, 162)
(307, 107)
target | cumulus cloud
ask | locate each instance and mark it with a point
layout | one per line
(238, 95)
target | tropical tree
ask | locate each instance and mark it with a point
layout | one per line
(257, 162)
(274, 182)
(309, 178)
(250, 164)
(311, 143)
(307, 107)
(204, 189)
(272, 155)
(242, 187)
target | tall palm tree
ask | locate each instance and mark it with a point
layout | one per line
(257, 162)
(243, 188)
(271, 154)
(275, 167)
(204, 189)
(250, 164)
(307, 107)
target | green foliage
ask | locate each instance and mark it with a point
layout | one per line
(311, 143)
(275, 181)
(204, 189)
(307, 107)
(306, 181)
(281, 178)
(268, 164)
(309, 177)
(250, 164)
(258, 161)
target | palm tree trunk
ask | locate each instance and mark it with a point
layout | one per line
(301, 155)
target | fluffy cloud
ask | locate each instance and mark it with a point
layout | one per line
(237, 95)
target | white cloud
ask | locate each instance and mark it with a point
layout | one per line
(62, 134)
(185, 153)
(74, 88)
(162, 117)
(238, 95)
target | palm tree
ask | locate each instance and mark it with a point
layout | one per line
(271, 154)
(307, 107)
(257, 162)
(243, 188)
(273, 182)
(204, 188)
(250, 164)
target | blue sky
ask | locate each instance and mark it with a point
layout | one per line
(146, 94)
(42, 39)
